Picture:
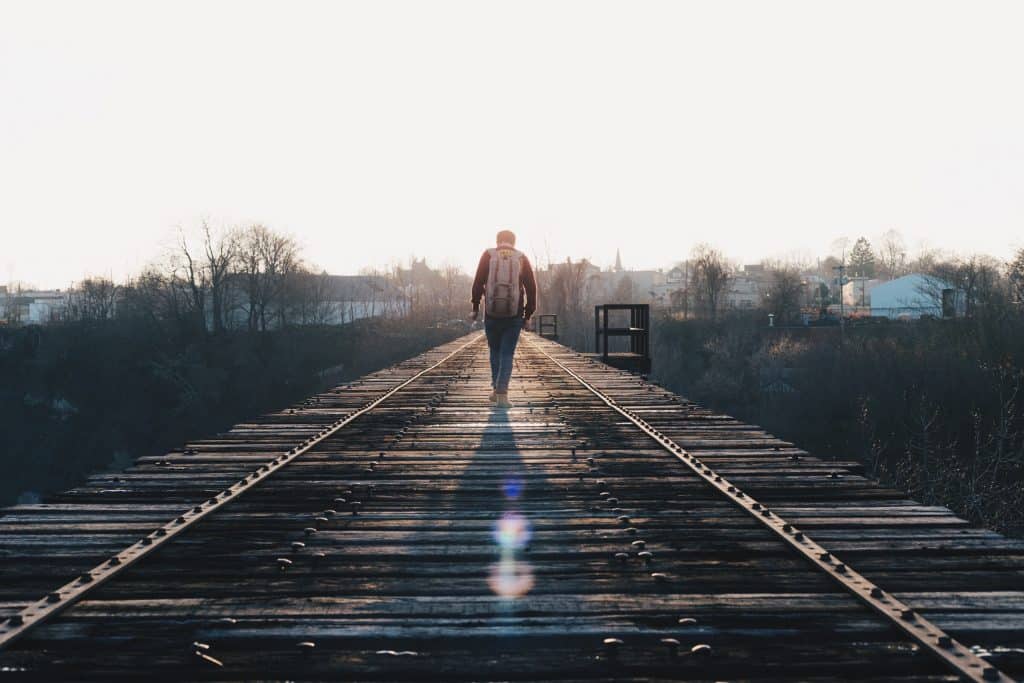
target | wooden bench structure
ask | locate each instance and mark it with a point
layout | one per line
(636, 357)
(401, 528)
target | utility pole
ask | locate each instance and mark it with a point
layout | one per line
(841, 268)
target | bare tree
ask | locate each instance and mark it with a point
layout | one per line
(624, 290)
(892, 254)
(93, 299)
(456, 284)
(1015, 276)
(221, 252)
(566, 291)
(268, 262)
(189, 270)
(976, 279)
(711, 274)
(784, 295)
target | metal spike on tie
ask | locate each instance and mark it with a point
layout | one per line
(203, 657)
(612, 645)
(701, 650)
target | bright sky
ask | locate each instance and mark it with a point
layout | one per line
(377, 130)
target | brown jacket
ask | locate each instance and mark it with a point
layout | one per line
(527, 285)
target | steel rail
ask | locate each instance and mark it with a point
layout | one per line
(59, 600)
(929, 636)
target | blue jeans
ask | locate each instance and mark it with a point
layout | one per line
(502, 337)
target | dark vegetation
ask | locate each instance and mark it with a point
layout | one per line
(82, 397)
(934, 408)
(225, 326)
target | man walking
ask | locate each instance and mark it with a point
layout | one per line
(504, 278)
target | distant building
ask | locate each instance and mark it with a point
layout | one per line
(743, 292)
(329, 300)
(857, 290)
(47, 307)
(353, 297)
(915, 295)
(622, 286)
(33, 307)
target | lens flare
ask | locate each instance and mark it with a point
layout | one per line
(512, 532)
(512, 488)
(509, 578)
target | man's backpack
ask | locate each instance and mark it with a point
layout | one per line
(502, 293)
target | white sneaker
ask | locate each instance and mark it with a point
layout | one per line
(493, 397)
(503, 401)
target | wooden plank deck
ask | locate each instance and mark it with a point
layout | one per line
(436, 538)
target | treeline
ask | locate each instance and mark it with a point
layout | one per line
(786, 288)
(218, 330)
(254, 278)
(935, 409)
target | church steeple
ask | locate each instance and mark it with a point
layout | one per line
(618, 261)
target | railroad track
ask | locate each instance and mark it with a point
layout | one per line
(400, 528)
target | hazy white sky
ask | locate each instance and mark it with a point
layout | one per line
(377, 130)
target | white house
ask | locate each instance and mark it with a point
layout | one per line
(33, 307)
(742, 291)
(857, 291)
(912, 296)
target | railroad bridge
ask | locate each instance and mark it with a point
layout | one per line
(400, 527)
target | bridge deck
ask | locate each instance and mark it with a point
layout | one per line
(444, 539)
